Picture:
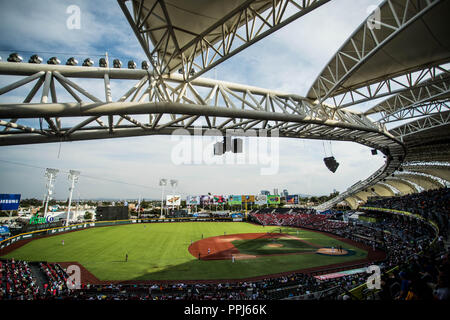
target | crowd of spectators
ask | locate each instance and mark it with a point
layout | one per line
(432, 205)
(56, 280)
(16, 281)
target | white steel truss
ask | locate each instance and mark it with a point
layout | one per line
(169, 103)
(441, 119)
(248, 23)
(363, 45)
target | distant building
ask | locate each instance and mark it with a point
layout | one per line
(275, 191)
(265, 192)
(285, 193)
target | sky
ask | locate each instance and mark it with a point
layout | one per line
(128, 168)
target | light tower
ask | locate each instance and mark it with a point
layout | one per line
(51, 176)
(162, 183)
(73, 176)
(174, 184)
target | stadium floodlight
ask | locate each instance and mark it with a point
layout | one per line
(53, 60)
(162, 183)
(131, 64)
(73, 177)
(145, 65)
(174, 183)
(117, 63)
(14, 57)
(35, 59)
(88, 62)
(71, 61)
(102, 63)
(51, 176)
(180, 71)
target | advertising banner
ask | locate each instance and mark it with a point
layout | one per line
(218, 199)
(206, 199)
(173, 200)
(292, 199)
(192, 200)
(261, 199)
(340, 274)
(273, 199)
(4, 230)
(248, 199)
(9, 201)
(234, 200)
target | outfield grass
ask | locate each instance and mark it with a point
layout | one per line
(160, 252)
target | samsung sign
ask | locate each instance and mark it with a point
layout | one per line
(9, 201)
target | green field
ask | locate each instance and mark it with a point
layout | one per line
(160, 251)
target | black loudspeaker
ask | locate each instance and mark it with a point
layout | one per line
(374, 151)
(237, 145)
(331, 164)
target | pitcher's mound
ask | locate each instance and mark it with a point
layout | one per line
(332, 252)
(275, 245)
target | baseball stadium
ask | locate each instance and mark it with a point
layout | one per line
(383, 238)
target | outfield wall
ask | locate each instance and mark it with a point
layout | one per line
(53, 231)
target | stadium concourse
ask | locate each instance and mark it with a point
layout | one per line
(416, 265)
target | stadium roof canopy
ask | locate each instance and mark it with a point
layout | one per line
(397, 62)
(196, 35)
(395, 65)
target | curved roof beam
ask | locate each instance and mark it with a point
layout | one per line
(364, 195)
(434, 121)
(190, 35)
(419, 101)
(401, 36)
(352, 202)
(383, 190)
(425, 181)
(404, 186)
(393, 190)
(440, 170)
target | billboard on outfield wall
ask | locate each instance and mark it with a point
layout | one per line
(261, 199)
(273, 199)
(248, 199)
(173, 200)
(192, 200)
(206, 199)
(219, 199)
(234, 199)
(292, 199)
